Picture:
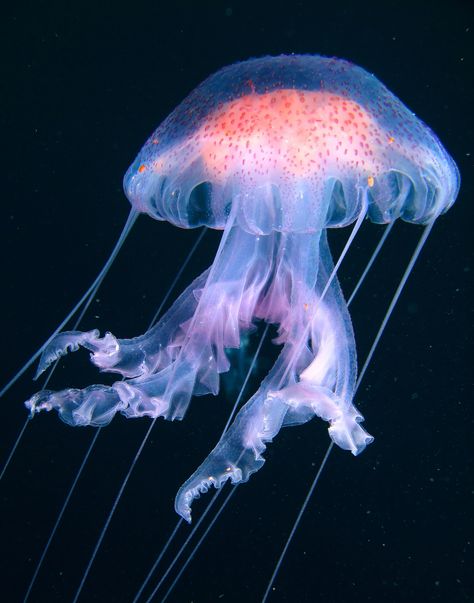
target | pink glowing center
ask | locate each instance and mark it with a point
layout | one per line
(297, 133)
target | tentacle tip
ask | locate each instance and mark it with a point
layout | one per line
(47, 358)
(39, 371)
(64, 343)
(183, 506)
(31, 405)
(186, 515)
(188, 493)
(359, 445)
(37, 403)
(196, 486)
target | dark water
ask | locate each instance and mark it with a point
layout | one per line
(82, 89)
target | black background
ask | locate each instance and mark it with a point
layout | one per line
(83, 86)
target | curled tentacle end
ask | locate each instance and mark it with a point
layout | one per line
(95, 405)
(194, 487)
(347, 432)
(62, 344)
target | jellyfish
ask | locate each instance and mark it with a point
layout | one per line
(272, 151)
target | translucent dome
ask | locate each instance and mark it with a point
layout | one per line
(293, 144)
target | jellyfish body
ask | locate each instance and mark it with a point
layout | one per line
(273, 151)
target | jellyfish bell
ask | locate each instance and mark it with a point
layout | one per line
(272, 151)
(284, 138)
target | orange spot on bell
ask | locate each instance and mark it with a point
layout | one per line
(391, 140)
(142, 168)
(370, 181)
